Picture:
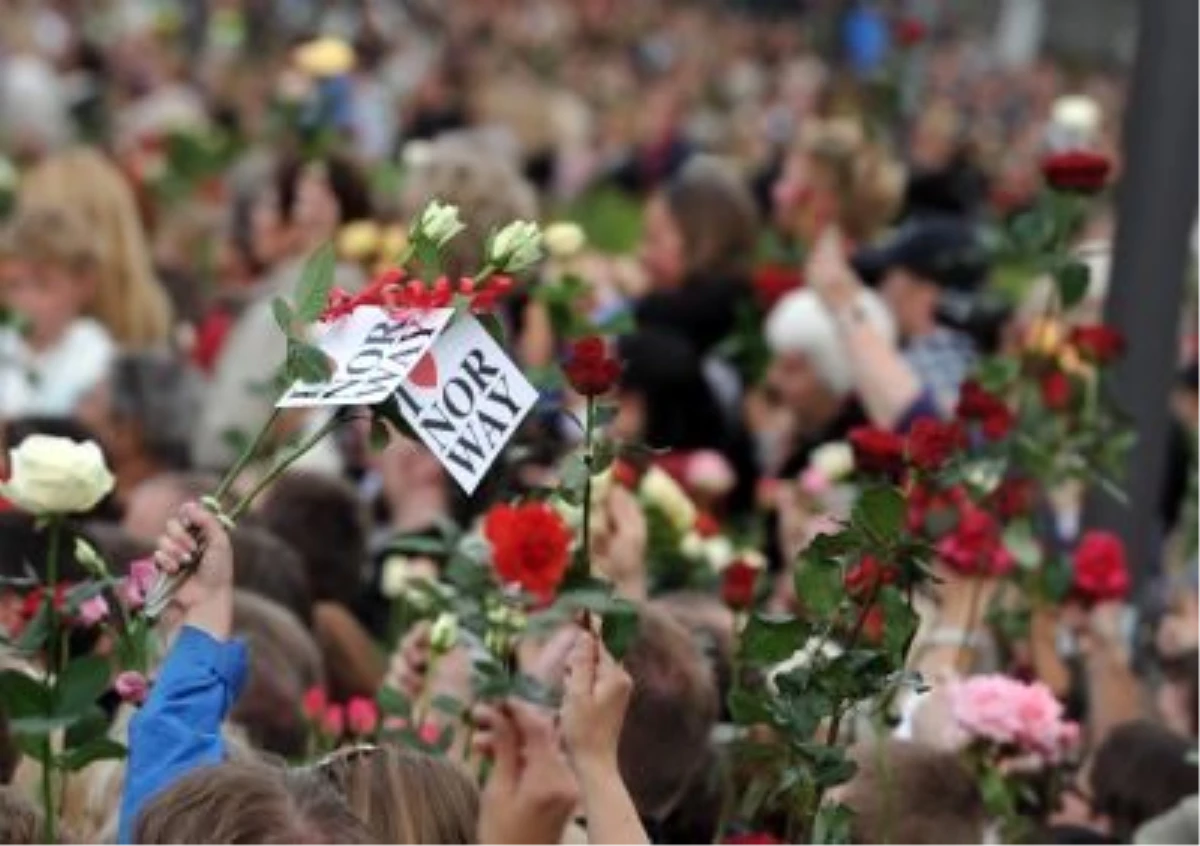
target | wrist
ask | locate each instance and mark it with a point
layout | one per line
(213, 614)
(595, 768)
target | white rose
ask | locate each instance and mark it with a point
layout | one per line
(1076, 112)
(692, 545)
(57, 476)
(664, 492)
(834, 461)
(718, 552)
(439, 223)
(564, 239)
(515, 247)
(398, 574)
(985, 476)
(443, 635)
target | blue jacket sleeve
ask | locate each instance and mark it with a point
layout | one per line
(179, 727)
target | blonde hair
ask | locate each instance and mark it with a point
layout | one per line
(53, 236)
(128, 299)
(405, 796)
(868, 182)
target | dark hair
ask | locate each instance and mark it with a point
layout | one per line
(665, 739)
(1141, 770)
(909, 793)
(716, 215)
(323, 521)
(270, 567)
(159, 394)
(248, 803)
(346, 182)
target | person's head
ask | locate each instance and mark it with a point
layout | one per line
(268, 566)
(128, 300)
(405, 796)
(835, 176)
(155, 501)
(909, 793)
(1139, 771)
(488, 188)
(323, 520)
(248, 803)
(917, 264)
(352, 663)
(20, 819)
(284, 663)
(51, 277)
(712, 626)
(703, 221)
(314, 197)
(665, 739)
(143, 413)
(810, 369)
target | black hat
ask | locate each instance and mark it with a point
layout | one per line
(947, 251)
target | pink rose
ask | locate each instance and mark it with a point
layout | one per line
(707, 472)
(430, 732)
(362, 716)
(92, 611)
(813, 482)
(1026, 718)
(132, 687)
(333, 721)
(135, 586)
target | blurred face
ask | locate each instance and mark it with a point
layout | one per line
(266, 228)
(48, 297)
(911, 301)
(794, 380)
(316, 215)
(802, 202)
(662, 251)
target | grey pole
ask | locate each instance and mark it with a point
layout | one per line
(1156, 205)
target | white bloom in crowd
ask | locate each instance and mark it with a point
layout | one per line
(834, 461)
(443, 635)
(664, 492)
(398, 573)
(439, 223)
(516, 247)
(51, 475)
(564, 239)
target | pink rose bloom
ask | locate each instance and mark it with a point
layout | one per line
(985, 706)
(92, 611)
(430, 732)
(362, 716)
(1040, 716)
(333, 721)
(132, 687)
(707, 472)
(813, 482)
(135, 586)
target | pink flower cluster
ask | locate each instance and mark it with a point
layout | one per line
(1024, 719)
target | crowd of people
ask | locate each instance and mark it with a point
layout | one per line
(785, 224)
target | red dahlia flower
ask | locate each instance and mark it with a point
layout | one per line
(590, 370)
(1078, 171)
(530, 546)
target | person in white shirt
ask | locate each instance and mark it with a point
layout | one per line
(50, 353)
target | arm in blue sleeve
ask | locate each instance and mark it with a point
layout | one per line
(179, 727)
(925, 405)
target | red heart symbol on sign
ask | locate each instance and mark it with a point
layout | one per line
(424, 374)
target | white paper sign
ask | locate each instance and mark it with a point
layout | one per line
(465, 400)
(372, 352)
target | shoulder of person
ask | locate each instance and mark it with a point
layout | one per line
(88, 336)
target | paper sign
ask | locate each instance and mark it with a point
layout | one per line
(465, 400)
(372, 352)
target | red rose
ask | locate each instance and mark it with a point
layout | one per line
(910, 32)
(33, 601)
(589, 368)
(1101, 573)
(1079, 171)
(626, 475)
(530, 546)
(707, 525)
(772, 281)
(1098, 343)
(1013, 498)
(975, 548)
(977, 404)
(873, 624)
(866, 576)
(1056, 390)
(313, 703)
(877, 450)
(931, 442)
(737, 585)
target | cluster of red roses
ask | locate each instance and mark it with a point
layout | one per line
(389, 290)
(530, 546)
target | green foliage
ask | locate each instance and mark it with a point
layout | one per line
(316, 281)
(1072, 278)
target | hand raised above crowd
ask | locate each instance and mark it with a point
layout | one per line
(196, 539)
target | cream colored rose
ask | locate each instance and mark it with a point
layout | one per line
(443, 634)
(57, 476)
(663, 491)
(834, 461)
(398, 575)
(564, 239)
(439, 223)
(515, 247)
(324, 57)
(1076, 112)
(718, 552)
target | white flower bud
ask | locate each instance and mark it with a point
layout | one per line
(439, 223)
(444, 633)
(563, 240)
(515, 247)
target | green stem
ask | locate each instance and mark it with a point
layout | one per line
(589, 422)
(280, 467)
(53, 657)
(245, 458)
